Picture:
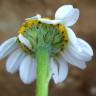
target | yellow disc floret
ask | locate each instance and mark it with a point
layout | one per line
(26, 25)
(22, 29)
(62, 29)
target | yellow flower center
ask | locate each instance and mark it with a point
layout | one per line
(55, 35)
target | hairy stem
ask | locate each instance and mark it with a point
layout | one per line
(43, 75)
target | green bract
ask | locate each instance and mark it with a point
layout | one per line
(44, 35)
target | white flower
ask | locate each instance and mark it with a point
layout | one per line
(77, 51)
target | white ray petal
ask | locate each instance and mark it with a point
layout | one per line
(72, 18)
(38, 16)
(47, 21)
(28, 70)
(14, 60)
(67, 14)
(85, 47)
(7, 47)
(63, 11)
(78, 52)
(54, 71)
(72, 60)
(24, 41)
(71, 36)
(63, 69)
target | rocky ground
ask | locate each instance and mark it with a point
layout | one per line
(78, 83)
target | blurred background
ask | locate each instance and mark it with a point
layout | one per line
(78, 83)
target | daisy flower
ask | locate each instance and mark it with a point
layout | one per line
(53, 34)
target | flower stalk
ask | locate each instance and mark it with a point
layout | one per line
(43, 75)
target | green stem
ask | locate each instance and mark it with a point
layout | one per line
(43, 75)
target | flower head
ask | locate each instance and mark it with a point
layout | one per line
(56, 35)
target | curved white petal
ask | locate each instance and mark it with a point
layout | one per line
(63, 11)
(72, 18)
(67, 14)
(63, 69)
(14, 60)
(76, 47)
(24, 41)
(71, 36)
(54, 71)
(28, 70)
(86, 48)
(38, 16)
(79, 52)
(7, 47)
(59, 71)
(47, 21)
(72, 60)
